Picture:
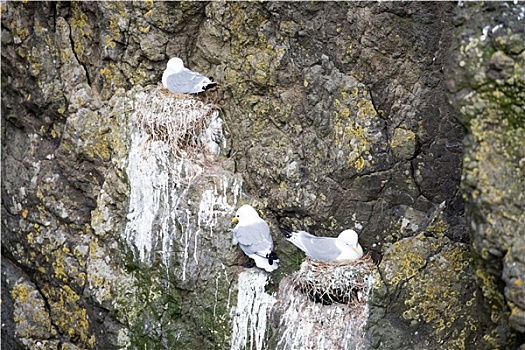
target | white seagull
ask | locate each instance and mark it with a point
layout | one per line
(178, 79)
(253, 236)
(344, 247)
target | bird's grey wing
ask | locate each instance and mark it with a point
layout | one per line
(185, 82)
(255, 237)
(320, 248)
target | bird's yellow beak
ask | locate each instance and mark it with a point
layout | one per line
(235, 220)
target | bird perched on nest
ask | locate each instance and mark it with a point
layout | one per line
(343, 247)
(253, 236)
(178, 79)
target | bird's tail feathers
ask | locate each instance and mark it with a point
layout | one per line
(286, 233)
(209, 85)
(264, 262)
(272, 257)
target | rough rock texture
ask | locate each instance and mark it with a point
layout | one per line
(334, 117)
(487, 88)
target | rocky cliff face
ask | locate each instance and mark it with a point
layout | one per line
(487, 87)
(117, 197)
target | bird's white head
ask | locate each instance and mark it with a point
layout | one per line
(349, 237)
(175, 64)
(245, 213)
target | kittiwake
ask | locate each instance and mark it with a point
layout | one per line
(253, 236)
(344, 247)
(178, 79)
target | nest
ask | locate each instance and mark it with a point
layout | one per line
(324, 305)
(178, 120)
(345, 282)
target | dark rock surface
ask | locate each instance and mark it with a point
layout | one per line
(487, 87)
(335, 116)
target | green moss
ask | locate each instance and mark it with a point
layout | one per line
(214, 321)
(297, 258)
(148, 302)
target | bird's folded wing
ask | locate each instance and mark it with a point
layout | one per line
(256, 235)
(185, 81)
(319, 248)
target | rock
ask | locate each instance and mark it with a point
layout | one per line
(403, 143)
(427, 270)
(331, 116)
(489, 48)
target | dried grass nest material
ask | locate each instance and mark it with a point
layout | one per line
(343, 281)
(179, 120)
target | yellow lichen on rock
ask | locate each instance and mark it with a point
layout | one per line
(353, 119)
(403, 143)
(81, 32)
(30, 315)
(434, 301)
(67, 315)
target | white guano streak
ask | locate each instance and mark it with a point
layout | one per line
(160, 208)
(251, 314)
(148, 177)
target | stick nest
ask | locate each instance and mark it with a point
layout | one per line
(343, 281)
(178, 120)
